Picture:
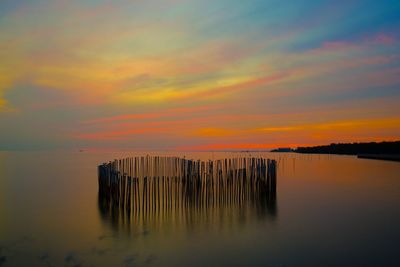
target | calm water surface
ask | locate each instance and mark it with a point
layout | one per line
(329, 211)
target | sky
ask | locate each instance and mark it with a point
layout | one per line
(197, 74)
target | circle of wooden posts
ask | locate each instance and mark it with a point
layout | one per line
(153, 184)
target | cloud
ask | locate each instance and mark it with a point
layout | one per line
(383, 39)
(215, 132)
(188, 73)
(234, 146)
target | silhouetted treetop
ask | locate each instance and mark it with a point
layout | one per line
(354, 148)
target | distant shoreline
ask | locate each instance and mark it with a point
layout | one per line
(372, 150)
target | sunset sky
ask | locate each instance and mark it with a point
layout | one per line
(197, 74)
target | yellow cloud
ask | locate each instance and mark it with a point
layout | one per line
(2, 103)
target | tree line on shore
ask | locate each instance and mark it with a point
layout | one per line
(386, 147)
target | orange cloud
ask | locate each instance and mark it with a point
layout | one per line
(235, 146)
(348, 125)
(214, 132)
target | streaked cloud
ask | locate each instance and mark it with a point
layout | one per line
(205, 74)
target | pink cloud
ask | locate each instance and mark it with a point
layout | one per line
(123, 117)
(383, 38)
(379, 39)
(338, 45)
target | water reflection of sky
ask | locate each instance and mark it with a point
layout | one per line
(185, 213)
(343, 209)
